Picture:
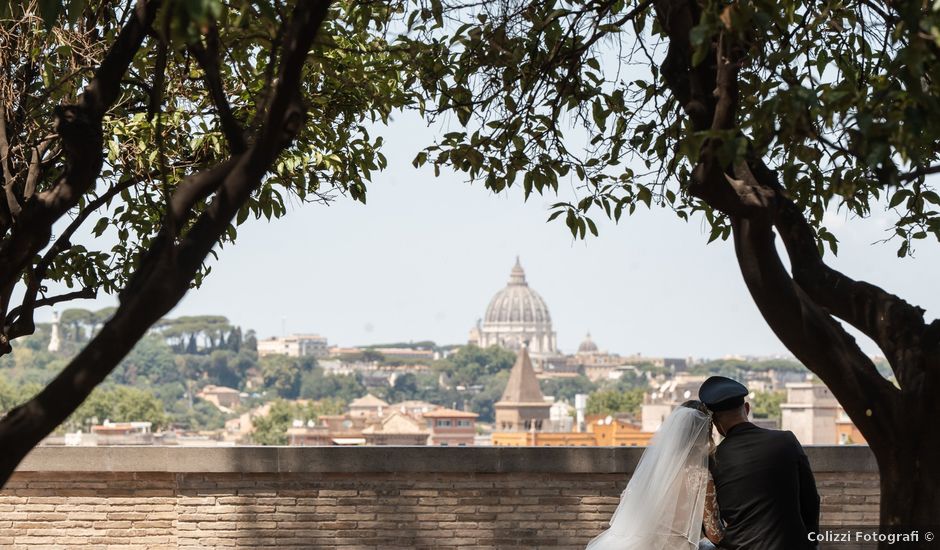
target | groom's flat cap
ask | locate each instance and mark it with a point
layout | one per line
(722, 394)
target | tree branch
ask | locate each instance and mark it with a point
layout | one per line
(812, 335)
(159, 285)
(9, 180)
(35, 169)
(80, 129)
(208, 60)
(895, 325)
(749, 194)
(20, 322)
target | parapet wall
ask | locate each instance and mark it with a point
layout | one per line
(365, 497)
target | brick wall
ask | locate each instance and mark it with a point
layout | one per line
(409, 497)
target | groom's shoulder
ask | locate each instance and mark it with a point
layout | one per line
(753, 434)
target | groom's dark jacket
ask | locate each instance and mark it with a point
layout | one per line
(766, 491)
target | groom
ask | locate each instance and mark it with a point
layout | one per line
(764, 486)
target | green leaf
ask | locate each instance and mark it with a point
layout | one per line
(101, 226)
(591, 226)
(899, 197)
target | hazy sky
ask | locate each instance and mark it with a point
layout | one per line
(424, 257)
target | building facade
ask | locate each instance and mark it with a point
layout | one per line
(295, 345)
(396, 429)
(451, 427)
(367, 406)
(810, 412)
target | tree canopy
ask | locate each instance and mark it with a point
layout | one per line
(758, 118)
(186, 94)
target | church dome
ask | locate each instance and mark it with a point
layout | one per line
(517, 317)
(587, 345)
(517, 304)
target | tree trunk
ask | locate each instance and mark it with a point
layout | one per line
(910, 473)
(167, 268)
(804, 306)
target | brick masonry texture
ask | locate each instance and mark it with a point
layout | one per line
(114, 507)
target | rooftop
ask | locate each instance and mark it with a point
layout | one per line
(217, 389)
(449, 413)
(523, 386)
(367, 400)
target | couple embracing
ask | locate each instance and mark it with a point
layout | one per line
(754, 491)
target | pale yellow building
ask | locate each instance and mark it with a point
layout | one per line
(368, 406)
(451, 427)
(396, 429)
(601, 432)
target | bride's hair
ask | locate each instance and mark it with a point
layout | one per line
(699, 406)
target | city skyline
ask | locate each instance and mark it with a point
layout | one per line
(422, 259)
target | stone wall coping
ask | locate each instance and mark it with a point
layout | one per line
(351, 460)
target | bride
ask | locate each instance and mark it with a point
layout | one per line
(671, 495)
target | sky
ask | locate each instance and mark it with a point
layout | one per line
(423, 258)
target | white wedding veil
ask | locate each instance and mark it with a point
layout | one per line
(662, 506)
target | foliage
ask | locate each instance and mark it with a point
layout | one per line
(423, 345)
(150, 362)
(317, 385)
(611, 402)
(284, 374)
(118, 404)
(836, 95)
(483, 402)
(767, 404)
(736, 368)
(12, 395)
(271, 429)
(202, 415)
(566, 388)
(200, 334)
(170, 121)
(469, 364)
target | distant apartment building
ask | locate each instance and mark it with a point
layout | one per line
(295, 345)
(397, 429)
(600, 432)
(810, 412)
(772, 379)
(659, 403)
(414, 408)
(367, 406)
(451, 427)
(123, 433)
(308, 435)
(847, 433)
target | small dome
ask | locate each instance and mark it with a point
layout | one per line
(517, 304)
(587, 345)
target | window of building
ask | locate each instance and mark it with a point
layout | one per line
(443, 423)
(463, 423)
